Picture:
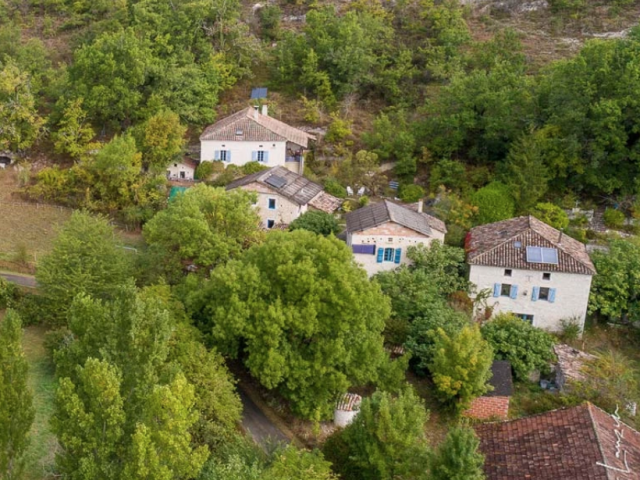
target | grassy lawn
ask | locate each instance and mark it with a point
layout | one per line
(25, 230)
(40, 456)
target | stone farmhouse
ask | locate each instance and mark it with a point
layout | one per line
(284, 195)
(531, 270)
(379, 234)
(253, 136)
(582, 442)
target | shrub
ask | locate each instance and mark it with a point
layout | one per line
(316, 221)
(252, 167)
(270, 17)
(577, 233)
(332, 187)
(526, 347)
(613, 218)
(494, 203)
(8, 293)
(339, 129)
(461, 366)
(552, 215)
(363, 201)
(411, 193)
(204, 170)
(571, 329)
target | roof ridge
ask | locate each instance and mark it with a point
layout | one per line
(558, 243)
(498, 422)
(595, 431)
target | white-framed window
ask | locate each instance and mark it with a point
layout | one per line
(388, 254)
(272, 204)
(543, 294)
(223, 155)
(505, 290)
(271, 223)
(260, 155)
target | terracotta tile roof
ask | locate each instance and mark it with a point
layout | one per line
(295, 187)
(387, 211)
(495, 245)
(255, 127)
(190, 162)
(349, 402)
(325, 202)
(570, 443)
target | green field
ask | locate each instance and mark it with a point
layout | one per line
(40, 456)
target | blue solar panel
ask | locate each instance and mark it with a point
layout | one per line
(258, 93)
(542, 255)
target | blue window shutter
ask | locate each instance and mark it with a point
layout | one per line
(496, 289)
(552, 295)
(380, 255)
(535, 293)
(228, 155)
(266, 157)
(514, 291)
(398, 255)
(216, 155)
(254, 156)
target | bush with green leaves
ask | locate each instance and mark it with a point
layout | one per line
(385, 441)
(422, 335)
(526, 347)
(458, 457)
(613, 218)
(8, 293)
(252, 167)
(615, 292)
(552, 215)
(333, 187)
(270, 16)
(460, 366)
(316, 221)
(494, 203)
(204, 170)
(411, 193)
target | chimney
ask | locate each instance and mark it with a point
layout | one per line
(420, 205)
(265, 110)
(255, 113)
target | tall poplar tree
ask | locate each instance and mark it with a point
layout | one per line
(16, 400)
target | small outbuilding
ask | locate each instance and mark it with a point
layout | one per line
(494, 404)
(184, 169)
(570, 363)
(347, 408)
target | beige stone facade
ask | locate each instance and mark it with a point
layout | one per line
(389, 235)
(284, 211)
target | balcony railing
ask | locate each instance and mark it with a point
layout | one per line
(294, 158)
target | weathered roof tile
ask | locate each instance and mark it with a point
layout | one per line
(387, 211)
(571, 443)
(254, 127)
(503, 244)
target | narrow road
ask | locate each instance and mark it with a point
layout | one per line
(22, 280)
(256, 423)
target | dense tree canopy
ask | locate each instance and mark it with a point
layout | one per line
(86, 258)
(16, 400)
(204, 227)
(307, 317)
(385, 441)
(615, 293)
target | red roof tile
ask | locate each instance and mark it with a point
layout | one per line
(495, 245)
(572, 443)
(255, 127)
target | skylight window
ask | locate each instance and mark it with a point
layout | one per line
(542, 255)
